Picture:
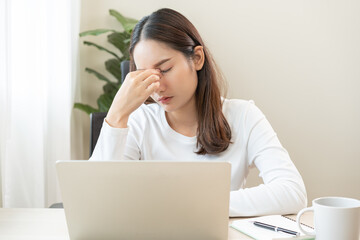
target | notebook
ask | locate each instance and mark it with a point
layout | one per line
(247, 227)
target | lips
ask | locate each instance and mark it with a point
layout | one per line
(164, 100)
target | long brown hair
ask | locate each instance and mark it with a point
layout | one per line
(175, 30)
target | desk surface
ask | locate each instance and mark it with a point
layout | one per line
(50, 224)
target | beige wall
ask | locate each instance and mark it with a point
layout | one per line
(299, 61)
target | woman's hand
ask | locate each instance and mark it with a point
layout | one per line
(137, 87)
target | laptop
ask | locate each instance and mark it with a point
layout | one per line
(145, 200)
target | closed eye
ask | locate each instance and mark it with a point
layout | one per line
(165, 71)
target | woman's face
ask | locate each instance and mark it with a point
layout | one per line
(178, 80)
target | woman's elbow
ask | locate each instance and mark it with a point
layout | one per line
(299, 197)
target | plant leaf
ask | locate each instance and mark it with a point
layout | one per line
(110, 88)
(121, 40)
(98, 75)
(113, 67)
(86, 108)
(95, 32)
(127, 23)
(101, 48)
(104, 102)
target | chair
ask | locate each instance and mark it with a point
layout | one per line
(96, 121)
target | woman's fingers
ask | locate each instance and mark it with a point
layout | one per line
(141, 75)
(151, 79)
(152, 88)
(146, 79)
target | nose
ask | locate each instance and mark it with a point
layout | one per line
(162, 86)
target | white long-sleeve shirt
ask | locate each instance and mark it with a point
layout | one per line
(254, 143)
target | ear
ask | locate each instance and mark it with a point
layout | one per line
(199, 57)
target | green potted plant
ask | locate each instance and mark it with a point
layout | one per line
(121, 41)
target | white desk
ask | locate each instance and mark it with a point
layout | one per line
(50, 224)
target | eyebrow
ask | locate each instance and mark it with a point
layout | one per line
(161, 62)
(158, 63)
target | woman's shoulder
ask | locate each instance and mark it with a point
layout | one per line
(236, 106)
(235, 102)
(240, 110)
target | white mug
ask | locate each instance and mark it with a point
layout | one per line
(335, 218)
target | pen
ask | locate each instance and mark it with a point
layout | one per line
(274, 228)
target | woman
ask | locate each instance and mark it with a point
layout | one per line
(171, 66)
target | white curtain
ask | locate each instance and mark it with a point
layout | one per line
(39, 46)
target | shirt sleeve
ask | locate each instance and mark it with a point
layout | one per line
(115, 144)
(283, 191)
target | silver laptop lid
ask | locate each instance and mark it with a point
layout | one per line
(145, 199)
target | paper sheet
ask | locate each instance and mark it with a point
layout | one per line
(247, 227)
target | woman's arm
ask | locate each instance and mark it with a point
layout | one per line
(115, 144)
(110, 144)
(114, 136)
(283, 191)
